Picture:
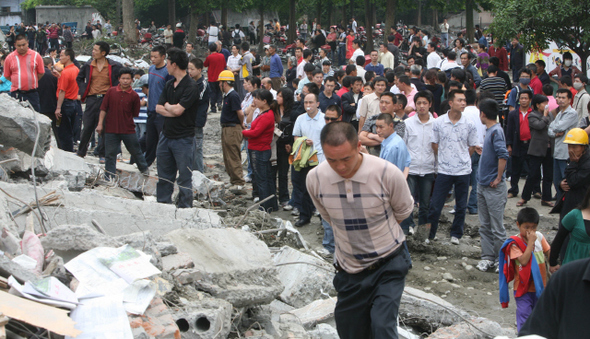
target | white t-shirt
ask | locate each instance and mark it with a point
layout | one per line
(355, 54)
(433, 60)
(213, 33)
(300, 73)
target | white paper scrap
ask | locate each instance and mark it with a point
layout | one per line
(101, 318)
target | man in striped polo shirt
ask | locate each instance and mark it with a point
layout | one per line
(364, 199)
(24, 67)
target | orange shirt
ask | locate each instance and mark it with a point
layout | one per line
(67, 82)
(100, 81)
(23, 70)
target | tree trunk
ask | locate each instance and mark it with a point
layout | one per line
(261, 31)
(435, 19)
(351, 10)
(194, 24)
(172, 12)
(419, 22)
(374, 11)
(117, 15)
(292, 34)
(330, 16)
(344, 21)
(224, 15)
(128, 24)
(389, 18)
(469, 20)
(318, 13)
(368, 24)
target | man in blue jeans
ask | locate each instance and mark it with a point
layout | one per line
(119, 106)
(454, 138)
(178, 103)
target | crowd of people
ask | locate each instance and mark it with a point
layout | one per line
(361, 145)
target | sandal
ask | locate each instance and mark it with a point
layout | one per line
(547, 203)
(521, 203)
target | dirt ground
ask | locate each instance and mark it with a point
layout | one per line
(471, 290)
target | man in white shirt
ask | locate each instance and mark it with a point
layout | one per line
(444, 33)
(472, 113)
(451, 62)
(386, 57)
(433, 59)
(356, 45)
(370, 104)
(360, 67)
(353, 25)
(267, 84)
(233, 65)
(168, 35)
(307, 55)
(213, 33)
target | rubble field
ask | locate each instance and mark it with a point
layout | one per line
(76, 245)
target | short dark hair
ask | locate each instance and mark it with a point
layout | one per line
(212, 47)
(524, 70)
(385, 117)
(360, 60)
(126, 70)
(566, 91)
(583, 78)
(356, 41)
(337, 133)
(245, 46)
(391, 95)
(312, 87)
(432, 44)
(423, 94)
(20, 37)
(104, 47)
(330, 79)
(350, 69)
(454, 92)
(190, 43)
(379, 79)
(495, 61)
(490, 108)
(355, 79)
(307, 53)
(401, 99)
(198, 63)
(316, 71)
(369, 75)
(346, 81)
(567, 55)
(538, 99)
(452, 55)
(255, 81)
(309, 67)
(459, 74)
(70, 53)
(547, 89)
(532, 67)
(541, 63)
(334, 108)
(470, 97)
(160, 49)
(405, 79)
(178, 57)
(492, 69)
(566, 80)
(528, 215)
(527, 92)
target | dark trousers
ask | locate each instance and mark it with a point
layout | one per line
(68, 44)
(368, 302)
(282, 169)
(198, 164)
(306, 208)
(421, 186)
(153, 129)
(66, 126)
(175, 156)
(78, 121)
(54, 128)
(54, 42)
(90, 121)
(112, 147)
(534, 178)
(215, 94)
(296, 194)
(262, 178)
(518, 163)
(31, 97)
(442, 186)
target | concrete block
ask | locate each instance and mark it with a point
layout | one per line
(293, 331)
(427, 311)
(464, 331)
(80, 238)
(176, 261)
(186, 276)
(117, 216)
(69, 166)
(236, 266)
(303, 283)
(166, 248)
(157, 321)
(208, 318)
(8, 268)
(324, 331)
(317, 312)
(18, 129)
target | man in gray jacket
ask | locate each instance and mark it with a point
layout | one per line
(566, 119)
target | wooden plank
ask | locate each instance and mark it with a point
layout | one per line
(50, 318)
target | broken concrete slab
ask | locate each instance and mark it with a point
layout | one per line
(319, 311)
(15, 161)
(427, 311)
(166, 248)
(9, 268)
(186, 276)
(18, 128)
(157, 321)
(480, 328)
(177, 261)
(304, 283)
(75, 238)
(117, 216)
(73, 169)
(207, 318)
(324, 331)
(236, 266)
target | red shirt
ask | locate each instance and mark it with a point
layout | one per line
(397, 39)
(261, 131)
(573, 90)
(349, 49)
(67, 82)
(121, 107)
(216, 64)
(536, 85)
(23, 70)
(501, 54)
(525, 131)
(341, 91)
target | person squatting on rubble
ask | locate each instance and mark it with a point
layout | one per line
(178, 103)
(371, 258)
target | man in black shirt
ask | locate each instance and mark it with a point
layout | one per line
(232, 121)
(178, 104)
(178, 36)
(47, 99)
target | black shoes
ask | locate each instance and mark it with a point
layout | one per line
(301, 222)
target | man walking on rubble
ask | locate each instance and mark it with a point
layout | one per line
(365, 199)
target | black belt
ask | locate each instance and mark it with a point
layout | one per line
(229, 125)
(95, 96)
(379, 263)
(27, 92)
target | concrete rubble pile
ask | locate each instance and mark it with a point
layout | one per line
(101, 262)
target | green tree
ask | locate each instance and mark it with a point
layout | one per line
(537, 22)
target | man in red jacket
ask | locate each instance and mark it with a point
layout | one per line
(216, 63)
(500, 53)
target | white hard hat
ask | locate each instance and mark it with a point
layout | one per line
(179, 25)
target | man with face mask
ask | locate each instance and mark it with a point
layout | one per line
(566, 68)
(581, 98)
(523, 84)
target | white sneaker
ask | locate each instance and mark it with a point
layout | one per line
(247, 179)
(428, 241)
(256, 199)
(287, 207)
(411, 231)
(484, 265)
(454, 240)
(295, 211)
(452, 211)
(316, 214)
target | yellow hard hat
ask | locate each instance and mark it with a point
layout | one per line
(576, 136)
(226, 76)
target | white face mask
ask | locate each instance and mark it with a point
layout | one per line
(567, 63)
(578, 85)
